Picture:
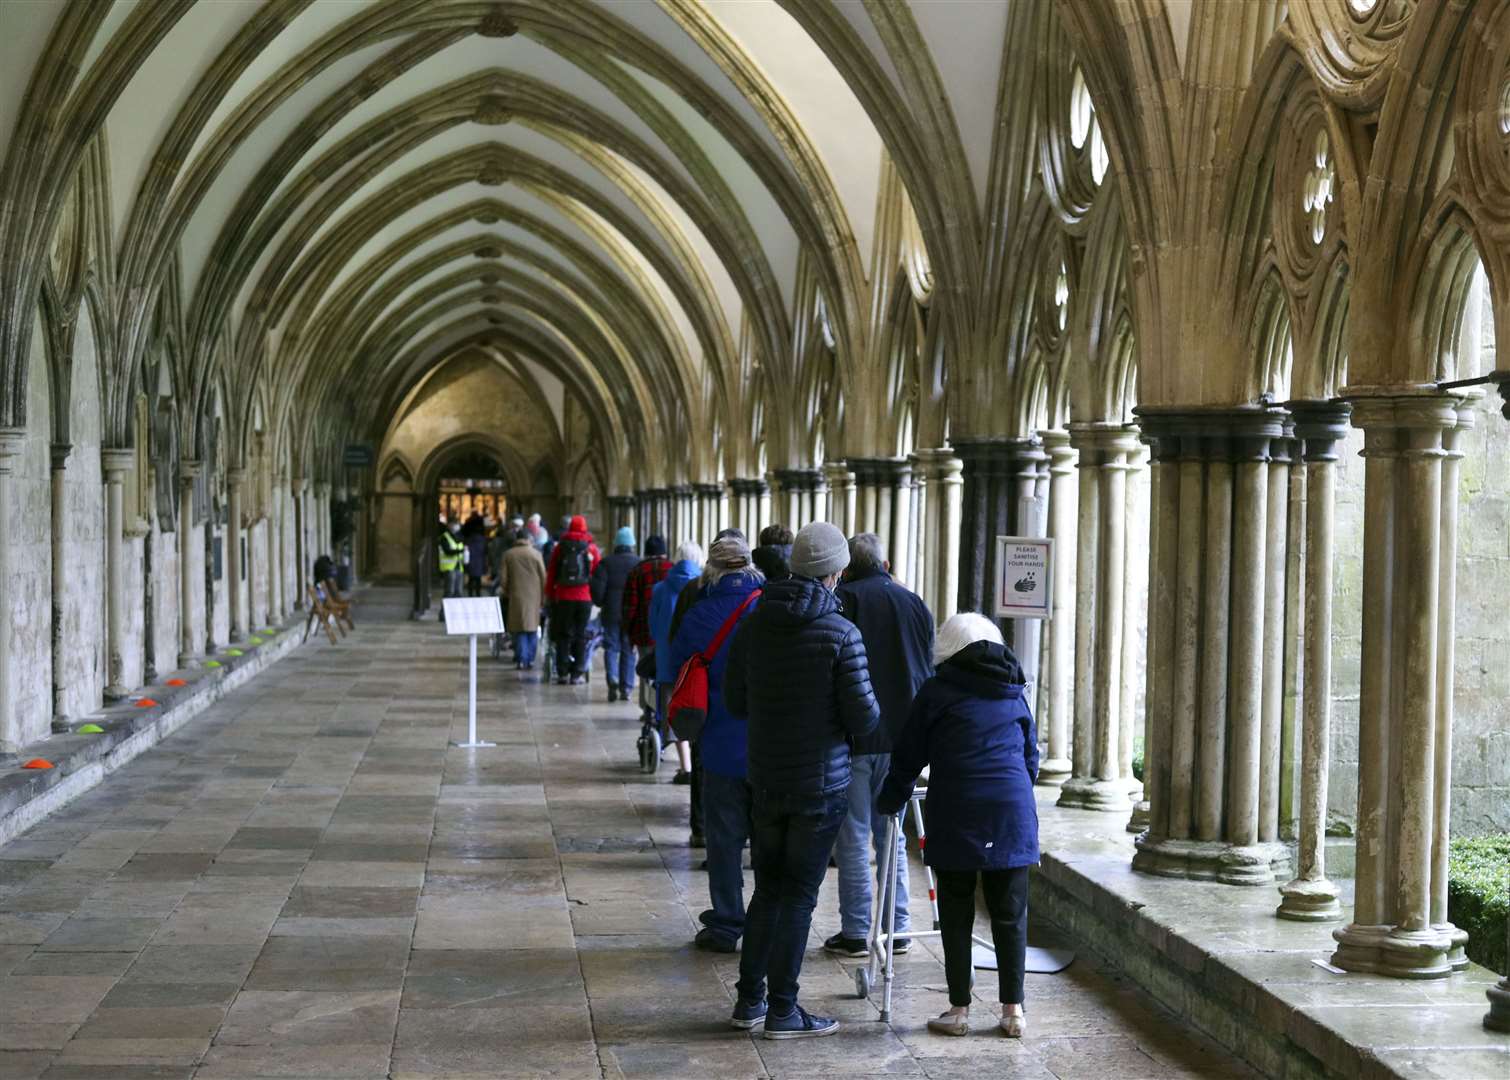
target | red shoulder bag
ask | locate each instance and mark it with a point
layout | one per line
(688, 708)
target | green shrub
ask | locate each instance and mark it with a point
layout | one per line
(1137, 762)
(1478, 896)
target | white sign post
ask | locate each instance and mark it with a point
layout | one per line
(1024, 577)
(472, 616)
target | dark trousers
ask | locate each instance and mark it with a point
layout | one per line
(618, 655)
(569, 629)
(474, 585)
(696, 790)
(1006, 894)
(726, 813)
(793, 838)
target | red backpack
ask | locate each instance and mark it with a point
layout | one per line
(687, 710)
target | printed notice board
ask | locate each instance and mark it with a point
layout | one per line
(1024, 577)
(473, 615)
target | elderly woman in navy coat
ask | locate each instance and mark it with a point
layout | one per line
(971, 725)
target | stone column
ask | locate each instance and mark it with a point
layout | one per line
(1498, 1016)
(1392, 932)
(277, 609)
(761, 489)
(710, 504)
(942, 486)
(1054, 699)
(1276, 566)
(1097, 781)
(1029, 471)
(1163, 583)
(12, 442)
(188, 649)
(296, 501)
(59, 533)
(1136, 554)
(115, 462)
(1205, 716)
(621, 512)
(322, 522)
(1319, 425)
(841, 495)
(900, 540)
(238, 605)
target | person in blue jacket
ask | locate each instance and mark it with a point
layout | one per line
(972, 727)
(731, 588)
(689, 565)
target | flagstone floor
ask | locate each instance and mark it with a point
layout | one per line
(308, 881)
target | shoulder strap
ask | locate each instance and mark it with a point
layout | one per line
(723, 631)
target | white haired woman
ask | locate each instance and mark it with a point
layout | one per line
(972, 726)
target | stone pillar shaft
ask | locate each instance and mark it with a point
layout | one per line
(1276, 564)
(234, 596)
(188, 472)
(114, 463)
(12, 441)
(1054, 696)
(942, 489)
(59, 532)
(1164, 499)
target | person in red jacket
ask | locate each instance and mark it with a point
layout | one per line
(568, 585)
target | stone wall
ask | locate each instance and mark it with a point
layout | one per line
(1481, 729)
(164, 599)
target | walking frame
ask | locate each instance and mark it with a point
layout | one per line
(880, 964)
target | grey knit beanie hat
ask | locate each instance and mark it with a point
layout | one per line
(819, 550)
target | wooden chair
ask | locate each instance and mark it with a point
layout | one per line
(337, 605)
(318, 610)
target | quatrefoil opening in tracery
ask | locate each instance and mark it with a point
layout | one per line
(1317, 191)
(1085, 127)
(1062, 295)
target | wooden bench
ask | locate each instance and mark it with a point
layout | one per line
(319, 610)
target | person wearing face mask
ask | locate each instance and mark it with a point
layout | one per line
(452, 550)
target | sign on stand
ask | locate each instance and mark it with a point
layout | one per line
(472, 616)
(1024, 577)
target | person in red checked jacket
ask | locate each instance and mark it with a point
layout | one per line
(568, 584)
(643, 579)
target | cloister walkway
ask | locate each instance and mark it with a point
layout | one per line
(306, 881)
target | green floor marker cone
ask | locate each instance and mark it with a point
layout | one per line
(255, 641)
(90, 729)
(212, 663)
(233, 652)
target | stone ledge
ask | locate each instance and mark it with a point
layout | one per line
(82, 761)
(1216, 956)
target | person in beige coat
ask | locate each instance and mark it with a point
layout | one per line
(521, 584)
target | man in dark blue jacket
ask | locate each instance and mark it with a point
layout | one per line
(898, 631)
(798, 673)
(731, 587)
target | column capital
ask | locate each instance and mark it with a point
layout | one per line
(117, 460)
(189, 470)
(682, 489)
(1224, 433)
(940, 464)
(297, 485)
(709, 490)
(234, 477)
(799, 479)
(1414, 408)
(60, 452)
(1320, 426)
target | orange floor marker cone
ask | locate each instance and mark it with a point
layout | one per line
(175, 682)
(145, 703)
(38, 763)
(90, 729)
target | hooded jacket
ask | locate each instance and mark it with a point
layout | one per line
(774, 560)
(647, 574)
(971, 726)
(662, 607)
(798, 674)
(722, 742)
(608, 582)
(898, 631)
(583, 592)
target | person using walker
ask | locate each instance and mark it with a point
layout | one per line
(971, 726)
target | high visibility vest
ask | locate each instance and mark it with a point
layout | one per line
(451, 548)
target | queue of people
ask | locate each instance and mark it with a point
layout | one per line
(827, 695)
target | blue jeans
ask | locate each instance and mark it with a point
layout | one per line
(525, 644)
(793, 838)
(618, 655)
(726, 826)
(862, 831)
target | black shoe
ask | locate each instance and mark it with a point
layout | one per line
(613, 693)
(697, 841)
(840, 945)
(682, 777)
(709, 941)
(902, 946)
(560, 680)
(703, 865)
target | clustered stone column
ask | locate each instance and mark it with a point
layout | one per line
(939, 518)
(842, 495)
(1101, 778)
(60, 452)
(277, 603)
(114, 463)
(188, 650)
(1206, 720)
(296, 502)
(621, 511)
(710, 504)
(684, 513)
(1053, 701)
(12, 441)
(801, 496)
(1398, 927)
(883, 505)
(751, 500)
(236, 604)
(1319, 426)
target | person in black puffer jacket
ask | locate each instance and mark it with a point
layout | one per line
(798, 673)
(774, 552)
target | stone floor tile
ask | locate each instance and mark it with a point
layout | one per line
(337, 964)
(303, 1017)
(107, 934)
(150, 995)
(521, 1041)
(159, 963)
(24, 1064)
(363, 874)
(726, 1055)
(488, 978)
(490, 928)
(349, 902)
(359, 1061)
(23, 1035)
(64, 1069)
(34, 999)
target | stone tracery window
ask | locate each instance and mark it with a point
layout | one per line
(1081, 110)
(1062, 295)
(1317, 191)
(1362, 7)
(1505, 107)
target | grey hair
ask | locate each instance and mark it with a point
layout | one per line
(867, 551)
(712, 575)
(963, 629)
(690, 551)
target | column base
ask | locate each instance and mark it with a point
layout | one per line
(1388, 950)
(1084, 793)
(1139, 819)
(1457, 954)
(234, 636)
(190, 660)
(1498, 1016)
(1309, 900)
(1212, 860)
(114, 693)
(1053, 772)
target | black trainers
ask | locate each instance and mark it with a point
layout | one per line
(840, 945)
(697, 840)
(682, 777)
(709, 941)
(902, 946)
(799, 1024)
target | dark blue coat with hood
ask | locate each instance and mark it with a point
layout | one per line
(799, 676)
(898, 631)
(722, 742)
(971, 726)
